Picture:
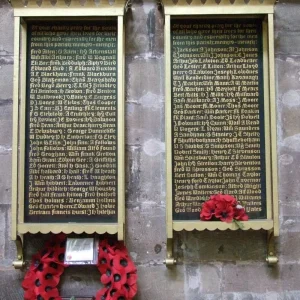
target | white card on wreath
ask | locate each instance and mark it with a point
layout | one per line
(81, 251)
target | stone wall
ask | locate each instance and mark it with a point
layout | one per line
(212, 265)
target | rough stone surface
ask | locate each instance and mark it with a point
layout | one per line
(6, 32)
(6, 73)
(6, 126)
(221, 246)
(5, 176)
(10, 283)
(211, 265)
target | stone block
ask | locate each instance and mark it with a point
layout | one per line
(5, 177)
(220, 246)
(6, 126)
(287, 80)
(255, 277)
(287, 43)
(152, 174)
(146, 235)
(3, 236)
(289, 247)
(201, 279)
(244, 296)
(289, 178)
(133, 158)
(288, 96)
(145, 77)
(145, 173)
(290, 277)
(161, 283)
(6, 82)
(287, 16)
(6, 27)
(10, 253)
(144, 123)
(145, 31)
(289, 295)
(290, 224)
(10, 284)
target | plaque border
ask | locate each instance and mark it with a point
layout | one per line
(78, 12)
(238, 9)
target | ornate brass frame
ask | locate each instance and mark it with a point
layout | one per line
(78, 10)
(229, 9)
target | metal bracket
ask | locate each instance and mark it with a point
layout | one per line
(272, 258)
(19, 263)
(170, 260)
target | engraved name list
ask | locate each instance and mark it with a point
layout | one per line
(217, 114)
(71, 122)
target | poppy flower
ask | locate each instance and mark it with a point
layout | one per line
(131, 290)
(46, 278)
(240, 213)
(107, 277)
(51, 267)
(224, 211)
(119, 278)
(120, 247)
(104, 246)
(104, 261)
(122, 262)
(102, 294)
(208, 210)
(47, 292)
(131, 278)
(29, 279)
(229, 199)
(57, 255)
(29, 294)
(38, 259)
(115, 294)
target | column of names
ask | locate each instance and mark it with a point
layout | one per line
(71, 127)
(217, 114)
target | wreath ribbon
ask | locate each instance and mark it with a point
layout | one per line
(118, 272)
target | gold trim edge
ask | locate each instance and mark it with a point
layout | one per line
(67, 228)
(214, 225)
(221, 3)
(46, 4)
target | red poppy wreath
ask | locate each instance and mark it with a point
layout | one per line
(225, 208)
(118, 272)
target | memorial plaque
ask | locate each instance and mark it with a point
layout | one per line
(217, 114)
(71, 122)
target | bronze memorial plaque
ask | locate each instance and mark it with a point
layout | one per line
(71, 122)
(217, 114)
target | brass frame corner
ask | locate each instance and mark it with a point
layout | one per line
(19, 262)
(272, 258)
(170, 260)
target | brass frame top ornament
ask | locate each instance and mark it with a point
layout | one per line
(32, 8)
(221, 2)
(195, 7)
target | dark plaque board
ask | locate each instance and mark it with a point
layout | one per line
(217, 114)
(71, 122)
